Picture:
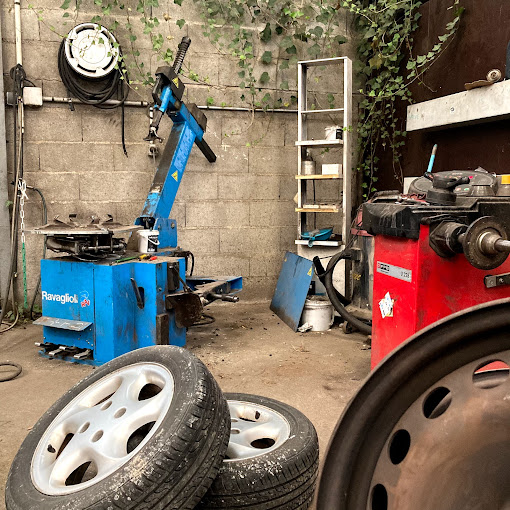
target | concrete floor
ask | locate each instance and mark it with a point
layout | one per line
(248, 349)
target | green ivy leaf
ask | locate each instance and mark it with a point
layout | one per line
(180, 23)
(66, 4)
(286, 42)
(178, 2)
(264, 77)
(284, 85)
(265, 35)
(210, 101)
(267, 57)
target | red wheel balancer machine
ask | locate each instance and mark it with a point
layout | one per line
(436, 256)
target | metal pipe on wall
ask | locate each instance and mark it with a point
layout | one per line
(5, 245)
(145, 104)
(17, 26)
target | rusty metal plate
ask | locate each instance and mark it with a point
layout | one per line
(69, 324)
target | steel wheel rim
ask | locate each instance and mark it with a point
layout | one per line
(359, 472)
(104, 426)
(255, 430)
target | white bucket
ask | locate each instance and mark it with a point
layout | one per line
(318, 312)
(148, 241)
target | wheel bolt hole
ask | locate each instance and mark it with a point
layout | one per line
(97, 436)
(399, 446)
(265, 442)
(379, 498)
(120, 412)
(437, 402)
(235, 431)
(83, 428)
(51, 449)
(106, 405)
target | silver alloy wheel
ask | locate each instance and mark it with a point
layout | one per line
(255, 430)
(102, 428)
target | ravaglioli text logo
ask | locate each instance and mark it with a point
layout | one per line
(61, 298)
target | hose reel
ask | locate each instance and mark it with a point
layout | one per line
(91, 50)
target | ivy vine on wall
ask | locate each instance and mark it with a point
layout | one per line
(386, 28)
(285, 31)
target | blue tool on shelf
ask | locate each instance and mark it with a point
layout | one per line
(104, 298)
(322, 234)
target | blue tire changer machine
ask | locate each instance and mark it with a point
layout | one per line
(100, 300)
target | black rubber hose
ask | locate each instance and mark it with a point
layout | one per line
(321, 274)
(96, 92)
(45, 220)
(12, 376)
(361, 326)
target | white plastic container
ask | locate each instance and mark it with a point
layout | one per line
(331, 169)
(318, 312)
(333, 133)
(148, 241)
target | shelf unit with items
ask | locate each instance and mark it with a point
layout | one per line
(339, 137)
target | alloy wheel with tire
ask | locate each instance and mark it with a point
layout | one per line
(272, 458)
(147, 430)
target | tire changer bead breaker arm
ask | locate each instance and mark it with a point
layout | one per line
(102, 298)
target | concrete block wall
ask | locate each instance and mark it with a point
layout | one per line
(236, 215)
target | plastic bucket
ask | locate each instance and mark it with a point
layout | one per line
(318, 312)
(148, 241)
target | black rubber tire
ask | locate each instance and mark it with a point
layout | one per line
(284, 478)
(172, 471)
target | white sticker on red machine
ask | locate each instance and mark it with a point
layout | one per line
(395, 271)
(386, 306)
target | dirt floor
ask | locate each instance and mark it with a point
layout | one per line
(248, 349)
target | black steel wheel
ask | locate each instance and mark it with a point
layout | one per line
(430, 427)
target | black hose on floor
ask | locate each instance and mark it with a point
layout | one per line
(356, 323)
(10, 377)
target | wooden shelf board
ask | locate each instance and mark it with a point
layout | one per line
(318, 176)
(306, 210)
(319, 243)
(319, 143)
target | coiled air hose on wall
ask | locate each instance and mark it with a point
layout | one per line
(92, 76)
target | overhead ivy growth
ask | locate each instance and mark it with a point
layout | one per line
(386, 28)
(261, 35)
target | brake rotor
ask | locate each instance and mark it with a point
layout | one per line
(430, 427)
(473, 246)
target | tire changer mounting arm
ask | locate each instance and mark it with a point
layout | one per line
(189, 126)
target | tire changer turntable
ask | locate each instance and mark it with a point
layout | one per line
(436, 252)
(101, 300)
